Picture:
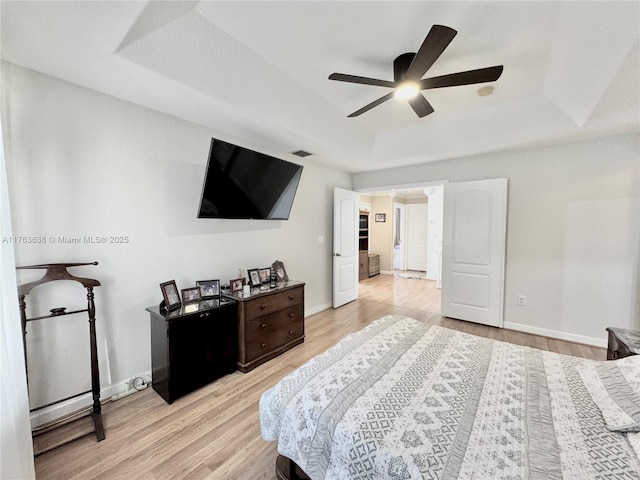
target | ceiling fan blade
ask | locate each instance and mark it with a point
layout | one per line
(481, 75)
(434, 44)
(420, 105)
(372, 104)
(343, 77)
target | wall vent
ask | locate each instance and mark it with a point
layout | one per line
(301, 153)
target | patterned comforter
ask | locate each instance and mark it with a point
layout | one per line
(401, 399)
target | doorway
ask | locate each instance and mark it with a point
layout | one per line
(410, 245)
(475, 240)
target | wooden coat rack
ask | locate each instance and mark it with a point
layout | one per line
(58, 271)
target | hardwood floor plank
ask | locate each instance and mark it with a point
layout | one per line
(214, 432)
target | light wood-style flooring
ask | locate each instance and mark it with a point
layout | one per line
(214, 433)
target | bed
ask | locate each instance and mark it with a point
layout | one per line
(401, 399)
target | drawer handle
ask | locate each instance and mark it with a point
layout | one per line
(291, 297)
(262, 307)
(263, 325)
(292, 315)
(291, 332)
(263, 345)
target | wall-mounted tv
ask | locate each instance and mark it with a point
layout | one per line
(240, 183)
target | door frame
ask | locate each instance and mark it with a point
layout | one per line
(397, 187)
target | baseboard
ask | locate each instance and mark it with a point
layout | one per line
(314, 310)
(386, 272)
(569, 337)
(83, 402)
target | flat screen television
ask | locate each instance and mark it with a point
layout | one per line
(243, 184)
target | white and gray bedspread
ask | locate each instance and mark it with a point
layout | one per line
(401, 399)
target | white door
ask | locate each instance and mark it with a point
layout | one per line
(399, 244)
(474, 245)
(346, 210)
(417, 225)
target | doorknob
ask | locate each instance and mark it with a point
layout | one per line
(337, 255)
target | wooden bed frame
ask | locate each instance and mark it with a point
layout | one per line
(286, 469)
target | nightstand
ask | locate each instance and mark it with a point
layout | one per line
(622, 343)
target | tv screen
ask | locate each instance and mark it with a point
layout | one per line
(241, 183)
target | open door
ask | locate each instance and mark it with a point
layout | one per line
(346, 208)
(473, 251)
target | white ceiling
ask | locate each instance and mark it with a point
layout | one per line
(257, 71)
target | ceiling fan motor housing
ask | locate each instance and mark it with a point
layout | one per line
(401, 65)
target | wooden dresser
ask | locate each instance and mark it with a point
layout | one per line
(270, 322)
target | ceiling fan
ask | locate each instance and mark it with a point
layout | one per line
(409, 68)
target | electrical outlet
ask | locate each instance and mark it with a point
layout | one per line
(522, 300)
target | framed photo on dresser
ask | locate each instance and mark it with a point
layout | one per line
(170, 295)
(190, 295)
(265, 275)
(237, 284)
(209, 288)
(254, 277)
(281, 273)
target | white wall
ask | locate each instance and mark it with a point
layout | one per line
(381, 233)
(573, 231)
(81, 163)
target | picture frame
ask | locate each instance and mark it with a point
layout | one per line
(170, 295)
(190, 295)
(381, 217)
(254, 277)
(209, 288)
(281, 273)
(237, 284)
(265, 276)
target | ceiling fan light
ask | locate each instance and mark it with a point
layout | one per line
(407, 90)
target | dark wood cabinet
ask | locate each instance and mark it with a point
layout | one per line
(270, 322)
(363, 269)
(622, 343)
(192, 346)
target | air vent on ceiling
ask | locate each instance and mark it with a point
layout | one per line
(301, 153)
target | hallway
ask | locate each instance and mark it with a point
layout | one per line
(401, 292)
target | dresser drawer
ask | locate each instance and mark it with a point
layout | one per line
(266, 344)
(264, 326)
(273, 303)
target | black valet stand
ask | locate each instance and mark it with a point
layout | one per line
(58, 271)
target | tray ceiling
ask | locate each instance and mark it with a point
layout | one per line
(257, 71)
